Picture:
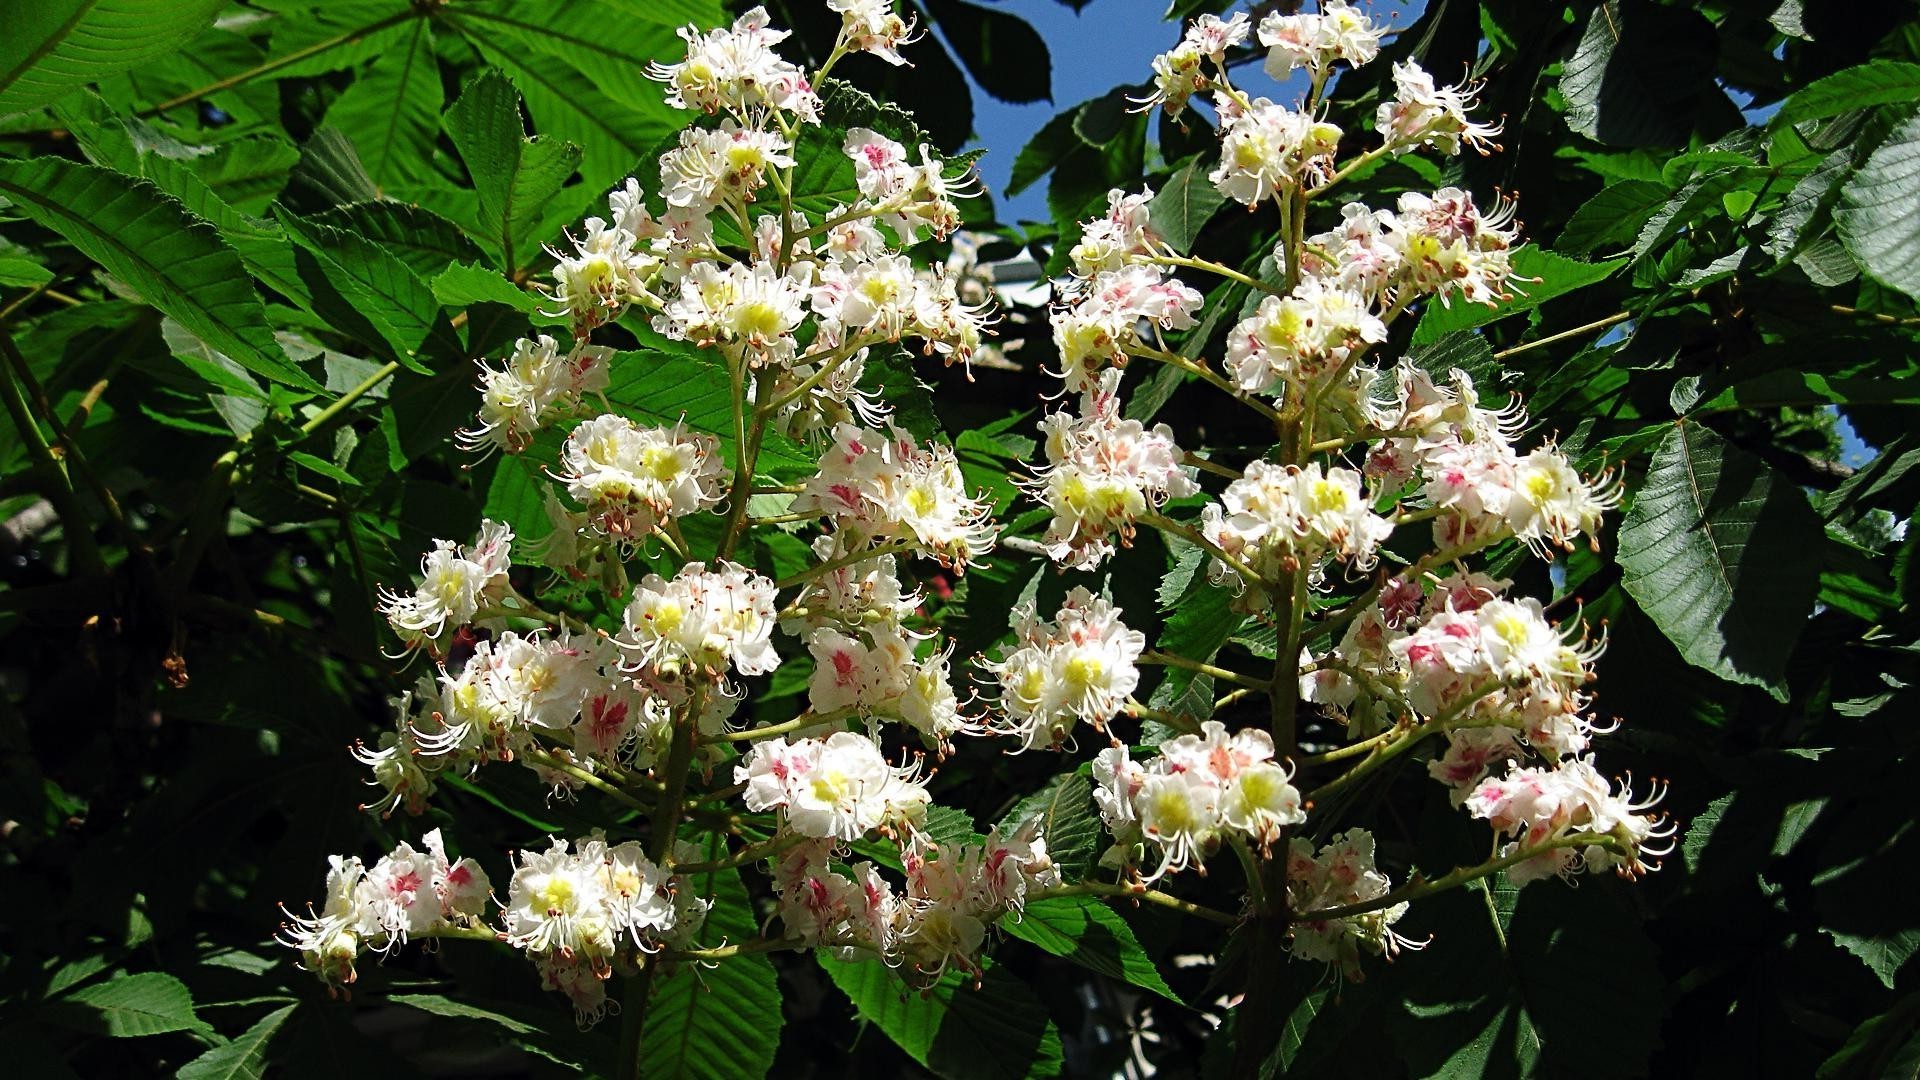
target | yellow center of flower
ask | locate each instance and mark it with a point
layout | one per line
(555, 894)
(1173, 811)
(831, 785)
(921, 501)
(666, 617)
(759, 319)
(661, 462)
(1540, 486)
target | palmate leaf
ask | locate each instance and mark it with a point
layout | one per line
(1713, 549)
(1065, 813)
(391, 113)
(721, 1023)
(383, 292)
(513, 175)
(1877, 82)
(177, 262)
(582, 69)
(998, 1032)
(52, 46)
(1876, 212)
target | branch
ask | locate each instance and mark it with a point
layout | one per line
(1154, 656)
(1140, 895)
(1419, 887)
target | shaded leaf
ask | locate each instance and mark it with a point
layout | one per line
(177, 262)
(1713, 550)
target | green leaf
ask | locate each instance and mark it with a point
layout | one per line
(1635, 76)
(425, 241)
(19, 270)
(177, 262)
(339, 34)
(1714, 551)
(383, 291)
(1513, 998)
(1876, 82)
(1184, 205)
(1001, 51)
(679, 382)
(1613, 217)
(513, 175)
(148, 1003)
(391, 113)
(1065, 811)
(518, 1025)
(1876, 214)
(245, 1058)
(1086, 931)
(1201, 624)
(517, 494)
(1884, 954)
(53, 46)
(718, 1024)
(582, 69)
(998, 1032)
(1559, 275)
(463, 285)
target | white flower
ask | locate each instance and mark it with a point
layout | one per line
(890, 487)
(1297, 338)
(1104, 317)
(1276, 514)
(738, 71)
(720, 165)
(557, 902)
(634, 479)
(1450, 248)
(1317, 41)
(1267, 149)
(750, 311)
(1421, 115)
(1080, 667)
(454, 583)
(837, 788)
(705, 620)
(1341, 873)
(872, 26)
(1107, 243)
(1102, 473)
(1551, 503)
(535, 385)
(1177, 73)
(605, 273)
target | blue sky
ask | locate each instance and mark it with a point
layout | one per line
(1107, 43)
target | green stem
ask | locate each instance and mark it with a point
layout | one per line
(1154, 656)
(894, 548)
(1597, 324)
(1224, 271)
(1207, 375)
(746, 856)
(557, 764)
(1194, 536)
(798, 723)
(1419, 887)
(56, 484)
(1138, 894)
